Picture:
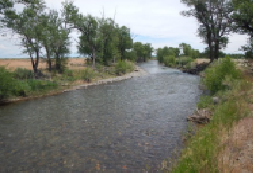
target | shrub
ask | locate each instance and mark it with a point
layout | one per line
(22, 73)
(87, 74)
(122, 67)
(59, 65)
(68, 74)
(6, 83)
(218, 71)
(9, 86)
(169, 61)
(20, 88)
(129, 66)
(184, 60)
(41, 85)
(99, 67)
(190, 65)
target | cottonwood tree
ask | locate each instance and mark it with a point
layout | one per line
(159, 55)
(215, 22)
(109, 38)
(186, 49)
(194, 53)
(147, 51)
(243, 23)
(49, 23)
(125, 41)
(143, 51)
(27, 25)
(88, 26)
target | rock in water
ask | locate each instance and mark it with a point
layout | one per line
(215, 100)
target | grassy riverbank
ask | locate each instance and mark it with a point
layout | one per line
(206, 150)
(18, 84)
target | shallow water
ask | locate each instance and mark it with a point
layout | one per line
(132, 124)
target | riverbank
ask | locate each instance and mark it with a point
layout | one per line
(223, 143)
(137, 72)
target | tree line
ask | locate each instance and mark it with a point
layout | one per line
(184, 50)
(46, 29)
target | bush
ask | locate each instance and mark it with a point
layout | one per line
(184, 60)
(22, 73)
(123, 67)
(9, 86)
(87, 74)
(218, 72)
(68, 74)
(6, 83)
(20, 88)
(41, 85)
(99, 67)
(169, 61)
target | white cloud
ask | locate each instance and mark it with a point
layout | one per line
(151, 19)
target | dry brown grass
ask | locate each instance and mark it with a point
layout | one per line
(237, 156)
(12, 64)
(199, 61)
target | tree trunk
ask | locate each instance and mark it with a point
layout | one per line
(58, 63)
(210, 47)
(93, 58)
(35, 65)
(216, 50)
(48, 59)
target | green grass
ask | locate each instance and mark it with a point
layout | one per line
(205, 101)
(201, 152)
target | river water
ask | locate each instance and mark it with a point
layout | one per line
(130, 125)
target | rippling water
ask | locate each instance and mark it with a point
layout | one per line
(132, 124)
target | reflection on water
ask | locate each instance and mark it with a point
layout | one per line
(132, 124)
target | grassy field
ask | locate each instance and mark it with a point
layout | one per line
(12, 64)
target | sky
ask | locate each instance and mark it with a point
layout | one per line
(157, 22)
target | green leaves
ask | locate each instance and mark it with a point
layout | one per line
(215, 22)
(216, 74)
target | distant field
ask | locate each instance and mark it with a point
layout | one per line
(12, 64)
(199, 61)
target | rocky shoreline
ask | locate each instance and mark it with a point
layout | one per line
(198, 68)
(137, 72)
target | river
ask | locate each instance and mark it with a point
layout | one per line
(129, 125)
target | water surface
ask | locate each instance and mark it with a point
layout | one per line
(132, 124)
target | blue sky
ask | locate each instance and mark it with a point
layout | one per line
(157, 22)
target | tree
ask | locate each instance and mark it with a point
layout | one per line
(186, 48)
(125, 41)
(215, 19)
(147, 51)
(110, 40)
(177, 52)
(194, 53)
(159, 55)
(50, 27)
(27, 25)
(242, 18)
(138, 48)
(5, 4)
